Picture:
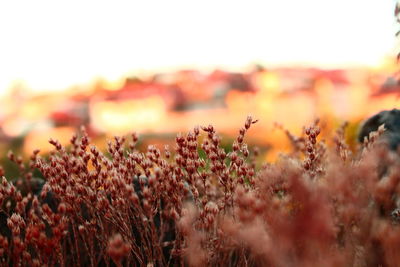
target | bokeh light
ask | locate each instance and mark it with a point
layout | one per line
(163, 67)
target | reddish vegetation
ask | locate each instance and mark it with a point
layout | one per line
(317, 206)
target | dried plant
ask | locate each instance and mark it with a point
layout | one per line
(318, 206)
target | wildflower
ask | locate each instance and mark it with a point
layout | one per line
(117, 248)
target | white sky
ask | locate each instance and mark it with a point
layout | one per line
(55, 44)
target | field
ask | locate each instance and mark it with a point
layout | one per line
(122, 140)
(198, 204)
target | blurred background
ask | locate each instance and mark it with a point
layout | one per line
(163, 67)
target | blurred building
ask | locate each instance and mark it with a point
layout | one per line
(174, 102)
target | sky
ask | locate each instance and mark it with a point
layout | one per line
(51, 45)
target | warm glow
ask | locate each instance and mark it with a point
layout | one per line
(128, 116)
(39, 139)
(92, 47)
